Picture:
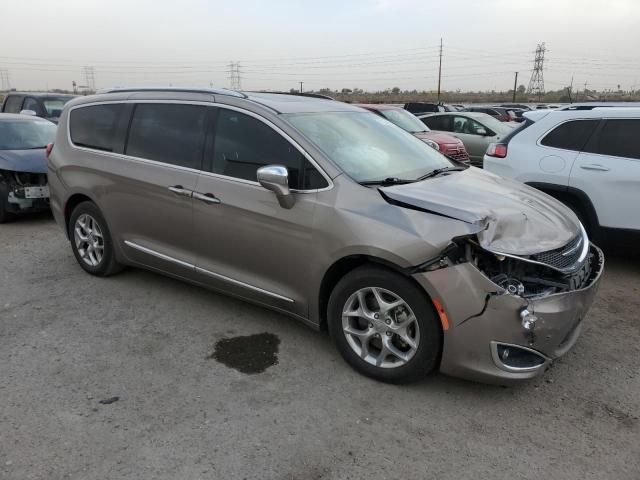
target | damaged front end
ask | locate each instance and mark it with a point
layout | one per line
(510, 315)
(23, 191)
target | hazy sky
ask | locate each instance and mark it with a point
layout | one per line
(370, 44)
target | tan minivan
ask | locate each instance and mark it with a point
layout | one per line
(333, 215)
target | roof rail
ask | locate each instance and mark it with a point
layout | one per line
(212, 91)
(296, 94)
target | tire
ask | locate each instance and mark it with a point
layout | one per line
(391, 287)
(101, 263)
(5, 216)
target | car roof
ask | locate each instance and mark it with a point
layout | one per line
(378, 106)
(597, 112)
(22, 118)
(42, 94)
(457, 114)
(278, 102)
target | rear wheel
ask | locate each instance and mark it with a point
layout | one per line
(384, 325)
(91, 240)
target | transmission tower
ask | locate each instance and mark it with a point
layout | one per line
(234, 76)
(89, 78)
(4, 79)
(536, 84)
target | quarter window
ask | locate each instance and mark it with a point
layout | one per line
(572, 135)
(168, 133)
(243, 144)
(97, 126)
(620, 138)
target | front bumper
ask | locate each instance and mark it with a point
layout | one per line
(483, 319)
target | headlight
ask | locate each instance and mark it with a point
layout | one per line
(432, 144)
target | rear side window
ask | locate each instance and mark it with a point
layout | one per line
(243, 144)
(13, 104)
(438, 122)
(620, 138)
(168, 133)
(571, 135)
(98, 126)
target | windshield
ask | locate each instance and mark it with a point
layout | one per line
(405, 120)
(366, 147)
(54, 106)
(25, 135)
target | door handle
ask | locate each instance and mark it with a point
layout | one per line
(595, 166)
(178, 190)
(206, 197)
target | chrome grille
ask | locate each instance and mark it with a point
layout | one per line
(562, 258)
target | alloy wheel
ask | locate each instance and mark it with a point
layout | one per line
(380, 327)
(89, 240)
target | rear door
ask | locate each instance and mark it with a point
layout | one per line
(608, 171)
(247, 244)
(149, 199)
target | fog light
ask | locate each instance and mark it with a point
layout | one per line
(528, 319)
(518, 358)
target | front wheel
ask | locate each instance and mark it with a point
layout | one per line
(384, 325)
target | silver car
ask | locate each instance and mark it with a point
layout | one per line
(334, 216)
(476, 130)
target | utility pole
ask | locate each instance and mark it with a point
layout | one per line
(570, 89)
(301, 83)
(440, 71)
(515, 85)
(585, 91)
(4, 79)
(536, 84)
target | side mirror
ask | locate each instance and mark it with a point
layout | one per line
(276, 179)
(481, 131)
(28, 112)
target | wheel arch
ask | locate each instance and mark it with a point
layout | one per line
(343, 266)
(72, 202)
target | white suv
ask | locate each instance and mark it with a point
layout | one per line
(589, 159)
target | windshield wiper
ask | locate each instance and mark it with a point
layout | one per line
(438, 171)
(387, 181)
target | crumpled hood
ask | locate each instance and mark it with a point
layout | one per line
(29, 161)
(511, 217)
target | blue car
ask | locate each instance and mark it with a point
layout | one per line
(23, 164)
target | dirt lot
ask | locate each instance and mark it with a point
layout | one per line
(69, 341)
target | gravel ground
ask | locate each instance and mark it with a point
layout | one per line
(69, 341)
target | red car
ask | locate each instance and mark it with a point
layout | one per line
(448, 145)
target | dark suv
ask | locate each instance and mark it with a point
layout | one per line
(45, 105)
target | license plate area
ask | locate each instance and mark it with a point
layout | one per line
(36, 192)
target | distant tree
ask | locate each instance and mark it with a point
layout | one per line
(522, 89)
(347, 91)
(293, 90)
(395, 90)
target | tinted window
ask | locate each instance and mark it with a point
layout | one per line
(438, 122)
(30, 104)
(168, 133)
(572, 135)
(243, 144)
(98, 126)
(13, 104)
(620, 138)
